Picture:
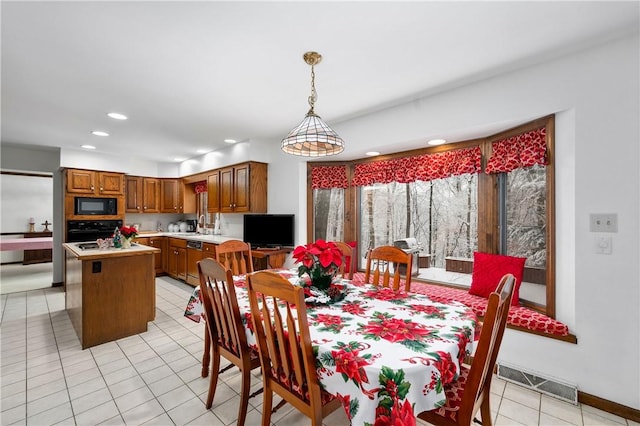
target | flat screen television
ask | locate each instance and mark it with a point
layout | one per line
(269, 230)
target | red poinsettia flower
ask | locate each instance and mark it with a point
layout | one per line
(351, 365)
(396, 330)
(318, 259)
(446, 367)
(128, 231)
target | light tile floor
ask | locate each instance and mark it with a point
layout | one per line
(154, 378)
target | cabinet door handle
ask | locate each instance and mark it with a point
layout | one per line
(93, 188)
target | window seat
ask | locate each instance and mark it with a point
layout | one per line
(520, 317)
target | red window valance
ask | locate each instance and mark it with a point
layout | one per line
(525, 150)
(200, 186)
(327, 177)
(422, 167)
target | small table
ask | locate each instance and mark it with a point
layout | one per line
(269, 258)
(382, 352)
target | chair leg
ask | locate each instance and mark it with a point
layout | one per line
(267, 401)
(244, 396)
(213, 380)
(485, 411)
(207, 352)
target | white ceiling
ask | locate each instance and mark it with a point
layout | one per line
(190, 74)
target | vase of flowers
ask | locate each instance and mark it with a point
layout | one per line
(128, 233)
(320, 261)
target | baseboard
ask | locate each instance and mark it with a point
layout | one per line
(609, 406)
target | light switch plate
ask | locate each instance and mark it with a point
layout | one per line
(603, 222)
(603, 244)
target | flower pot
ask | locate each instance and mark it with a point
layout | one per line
(126, 242)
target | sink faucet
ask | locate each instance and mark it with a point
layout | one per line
(201, 223)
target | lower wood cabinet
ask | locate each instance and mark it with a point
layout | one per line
(40, 255)
(177, 259)
(160, 261)
(209, 250)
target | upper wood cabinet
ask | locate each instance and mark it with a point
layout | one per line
(213, 192)
(171, 194)
(243, 188)
(142, 194)
(96, 183)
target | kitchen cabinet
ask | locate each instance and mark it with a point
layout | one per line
(208, 250)
(213, 192)
(91, 182)
(160, 260)
(194, 255)
(243, 188)
(142, 194)
(159, 243)
(171, 193)
(177, 259)
(175, 197)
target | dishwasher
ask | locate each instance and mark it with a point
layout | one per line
(194, 255)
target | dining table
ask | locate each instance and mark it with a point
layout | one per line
(386, 354)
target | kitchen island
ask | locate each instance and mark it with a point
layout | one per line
(110, 294)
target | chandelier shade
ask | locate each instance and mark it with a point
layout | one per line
(312, 137)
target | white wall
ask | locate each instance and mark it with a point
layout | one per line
(596, 97)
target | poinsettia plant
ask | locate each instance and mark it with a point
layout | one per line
(128, 231)
(320, 259)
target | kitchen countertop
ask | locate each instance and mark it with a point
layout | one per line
(189, 236)
(89, 254)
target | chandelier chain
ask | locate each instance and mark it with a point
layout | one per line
(314, 96)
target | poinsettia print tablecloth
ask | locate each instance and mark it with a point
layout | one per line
(386, 354)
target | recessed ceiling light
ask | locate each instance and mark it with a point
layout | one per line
(117, 116)
(88, 147)
(99, 133)
(372, 153)
(178, 159)
(230, 140)
(202, 151)
(436, 142)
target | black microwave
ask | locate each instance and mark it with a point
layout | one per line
(96, 206)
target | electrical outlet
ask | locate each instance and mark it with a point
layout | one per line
(603, 222)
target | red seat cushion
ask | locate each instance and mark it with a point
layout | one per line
(488, 269)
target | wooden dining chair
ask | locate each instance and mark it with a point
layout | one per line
(284, 343)
(348, 260)
(383, 267)
(470, 391)
(225, 330)
(235, 255)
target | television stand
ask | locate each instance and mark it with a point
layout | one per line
(269, 257)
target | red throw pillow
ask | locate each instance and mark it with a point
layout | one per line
(488, 269)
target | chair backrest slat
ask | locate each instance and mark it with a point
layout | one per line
(348, 260)
(235, 255)
(380, 262)
(221, 306)
(283, 338)
(486, 354)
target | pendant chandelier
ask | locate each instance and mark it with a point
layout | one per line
(312, 137)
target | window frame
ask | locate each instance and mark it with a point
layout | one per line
(488, 199)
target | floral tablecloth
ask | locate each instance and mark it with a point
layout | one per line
(386, 354)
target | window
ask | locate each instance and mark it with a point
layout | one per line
(452, 206)
(441, 214)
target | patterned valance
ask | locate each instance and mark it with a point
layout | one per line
(200, 186)
(422, 167)
(525, 150)
(327, 177)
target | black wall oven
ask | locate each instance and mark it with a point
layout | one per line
(96, 206)
(86, 230)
